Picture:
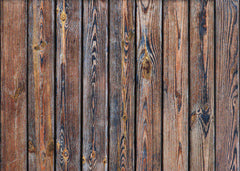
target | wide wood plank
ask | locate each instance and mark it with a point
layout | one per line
(41, 85)
(175, 109)
(122, 84)
(13, 85)
(227, 85)
(202, 151)
(149, 84)
(95, 85)
(68, 84)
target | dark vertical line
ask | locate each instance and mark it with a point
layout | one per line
(189, 82)
(162, 95)
(108, 86)
(135, 89)
(214, 80)
(27, 84)
(1, 6)
(81, 145)
(55, 84)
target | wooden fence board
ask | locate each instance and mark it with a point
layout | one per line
(202, 149)
(95, 85)
(227, 85)
(175, 109)
(122, 84)
(68, 84)
(149, 84)
(13, 85)
(41, 85)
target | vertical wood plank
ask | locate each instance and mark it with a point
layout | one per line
(175, 124)
(202, 85)
(227, 85)
(121, 85)
(149, 80)
(13, 85)
(41, 85)
(69, 15)
(95, 86)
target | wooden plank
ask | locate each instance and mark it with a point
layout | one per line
(41, 85)
(121, 85)
(227, 85)
(13, 85)
(202, 146)
(149, 84)
(68, 84)
(95, 86)
(175, 123)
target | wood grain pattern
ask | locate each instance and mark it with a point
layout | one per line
(202, 150)
(149, 84)
(175, 109)
(95, 85)
(13, 85)
(122, 84)
(227, 85)
(41, 85)
(68, 84)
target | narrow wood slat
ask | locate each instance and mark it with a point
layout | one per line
(95, 85)
(227, 85)
(202, 151)
(13, 85)
(69, 16)
(41, 85)
(122, 84)
(149, 84)
(175, 123)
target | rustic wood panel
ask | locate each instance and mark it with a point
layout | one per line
(122, 84)
(95, 85)
(202, 151)
(13, 85)
(41, 85)
(149, 84)
(175, 109)
(227, 85)
(68, 84)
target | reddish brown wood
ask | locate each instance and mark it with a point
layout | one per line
(175, 107)
(149, 84)
(13, 85)
(122, 84)
(68, 85)
(41, 85)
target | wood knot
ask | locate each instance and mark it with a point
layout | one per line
(31, 147)
(17, 93)
(146, 67)
(104, 160)
(83, 160)
(65, 155)
(50, 148)
(41, 45)
(124, 117)
(63, 16)
(93, 154)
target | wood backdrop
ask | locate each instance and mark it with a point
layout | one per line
(119, 85)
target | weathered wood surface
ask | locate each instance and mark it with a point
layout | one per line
(68, 143)
(13, 85)
(41, 85)
(175, 107)
(149, 79)
(202, 85)
(95, 85)
(122, 84)
(227, 85)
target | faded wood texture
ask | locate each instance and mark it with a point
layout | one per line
(202, 85)
(13, 85)
(175, 97)
(149, 84)
(122, 84)
(95, 85)
(227, 85)
(41, 85)
(68, 114)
